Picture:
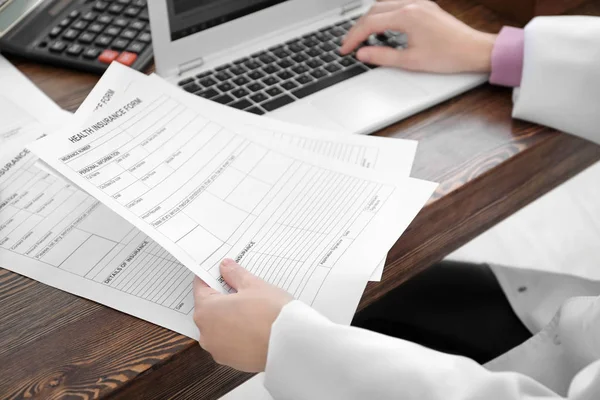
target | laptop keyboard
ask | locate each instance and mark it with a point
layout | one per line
(283, 74)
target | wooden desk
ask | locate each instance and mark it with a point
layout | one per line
(56, 345)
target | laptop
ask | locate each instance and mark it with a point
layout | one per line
(281, 58)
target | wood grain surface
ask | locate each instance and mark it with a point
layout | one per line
(54, 345)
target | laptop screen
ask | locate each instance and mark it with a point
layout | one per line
(187, 17)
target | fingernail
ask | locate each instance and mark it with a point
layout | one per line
(228, 262)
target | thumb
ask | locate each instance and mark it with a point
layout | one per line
(385, 56)
(235, 275)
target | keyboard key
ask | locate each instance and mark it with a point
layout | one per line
(191, 87)
(71, 34)
(323, 36)
(304, 79)
(274, 91)
(145, 37)
(103, 40)
(204, 74)
(241, 61)
(124, 2)
(100, 5)
(138, 25)
(314, 52)
(223, 99)
(296, 48)
(87, 38)
(289, 85)
(116, 9)
(259, 97)
(285, 64)
(285, 75)
(127, 58)
(58, 46)
(239, 93)
(74, 14)
(333, 68)
(81, 25)
(278, 102)
(121, 22)
(65, 22)
(255, 87)
(90, 16)
(96, 28)
(282, 53)
(237, 70)
(222, 67)
(347, 61)
(208, 94)
(139, 3)
(120, 44)
(112, 31)
(185, 81)
(55, 32)
(270, 81)
(222, 76)
(144, 16)
(132, 11)
(328, 58)
(252, 64)
(255, 110)
(255, 75)
(105, 19)
(136, 47)
(299, 58)
(338, 32)
(241, 81)
(225, 87)
(108, 56)
(208, 82)
(328, 47)
(91, 53)
(258, 54)
(241, 104)
(311, 42)
(318, 73)
(300, 69)
(329, 81)
(129, 34)
(271, 69)
(267, 59)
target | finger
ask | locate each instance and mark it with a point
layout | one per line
(385, 56)
(371, 24)
(202, 290)
(235, 275)
(383, 6)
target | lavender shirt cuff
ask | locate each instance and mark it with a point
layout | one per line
(507, 57)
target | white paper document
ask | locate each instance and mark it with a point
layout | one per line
(204, 191)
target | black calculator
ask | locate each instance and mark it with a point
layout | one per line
(82, 34)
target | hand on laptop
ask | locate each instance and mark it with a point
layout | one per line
(437, 41)
(235, 328)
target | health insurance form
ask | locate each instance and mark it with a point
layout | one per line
(204, 191)
(395, 155)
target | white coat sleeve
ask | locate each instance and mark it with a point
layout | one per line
(560, 86)
(311, 358)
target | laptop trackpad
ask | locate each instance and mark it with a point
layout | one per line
(369, 100)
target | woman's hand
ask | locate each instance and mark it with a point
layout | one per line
(437, 42)
(235, 328)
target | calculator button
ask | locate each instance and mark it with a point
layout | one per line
(57, 46)
(91, 53)
(129, 34)
(96, 28)
(108, 56)
(103, 40)
(87, 38)
(120, 44)
(55, 32)
(100, 5)
(105, 19)
(75, 49)
(115, 9)
(145, 37)
(138, 25)
(132, 11)
(121, 22)
(136, 47)
(81, 25)
(71, 34)
(127, 58)
(112, 31)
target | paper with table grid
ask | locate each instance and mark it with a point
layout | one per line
(297, 220)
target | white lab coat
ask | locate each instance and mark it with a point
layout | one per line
(312, 358)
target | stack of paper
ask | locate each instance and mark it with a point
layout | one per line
(147, 186)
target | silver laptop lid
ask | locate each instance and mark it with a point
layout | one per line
(184, 32)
